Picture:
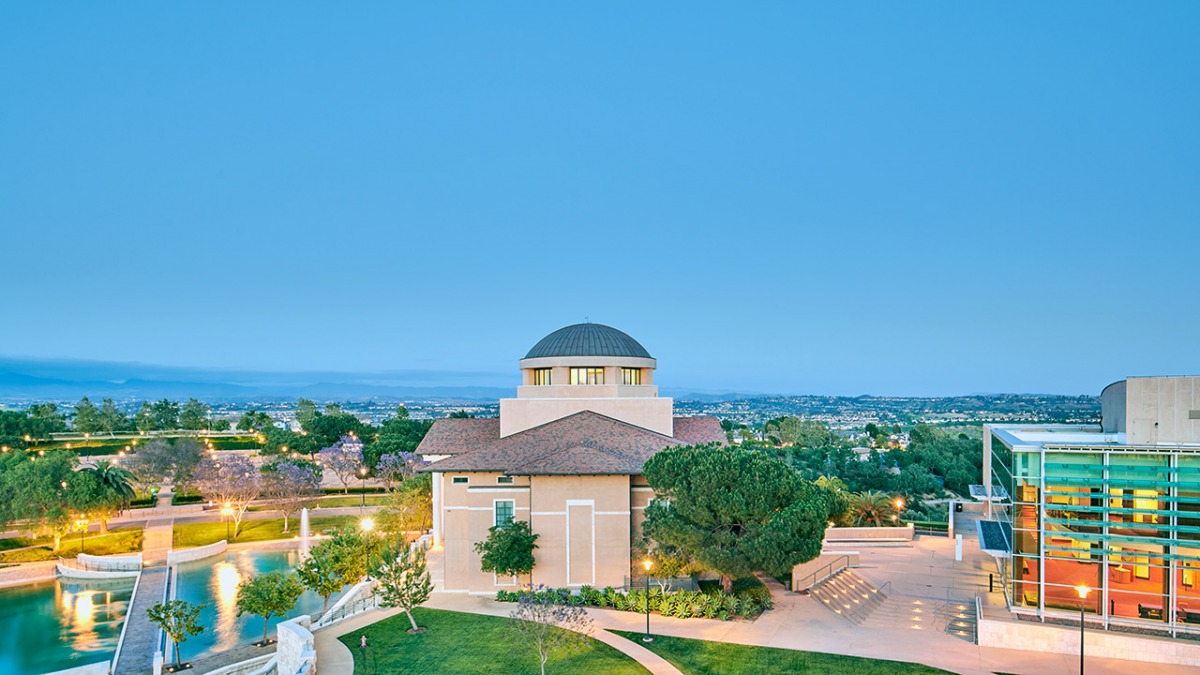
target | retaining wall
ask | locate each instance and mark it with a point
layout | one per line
(110, 563)
(857, 534)
(839, 559)
(296, 652)
(198, 553)
(90, 669)
(28, 573)
(76, 573)
(1040, 637)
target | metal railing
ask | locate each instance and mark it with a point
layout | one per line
(344, 612)
(827, 567)
(679, 583)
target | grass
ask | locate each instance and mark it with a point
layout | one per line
(699, 657)
(457, 644)
(125, 540)
(336, 502)
(200, 534)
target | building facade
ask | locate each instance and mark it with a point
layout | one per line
(565, 455)
(1114, 508)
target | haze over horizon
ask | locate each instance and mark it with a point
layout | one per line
(878, 198)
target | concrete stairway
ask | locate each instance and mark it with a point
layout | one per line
(955, 618)
(848, 594)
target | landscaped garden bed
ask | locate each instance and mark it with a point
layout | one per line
(748, 599)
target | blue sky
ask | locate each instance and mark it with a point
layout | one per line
(889, 198)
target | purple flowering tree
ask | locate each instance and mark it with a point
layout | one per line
(344, 459)
(230, 482)
(395, 468)
(545, 621)
(290, 485)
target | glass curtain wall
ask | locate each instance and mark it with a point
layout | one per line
(1126, 523)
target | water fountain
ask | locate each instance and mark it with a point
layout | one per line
(304, 534)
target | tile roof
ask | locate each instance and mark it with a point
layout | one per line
(583, 443)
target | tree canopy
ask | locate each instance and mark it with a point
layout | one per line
(508, 550)
(735, 511)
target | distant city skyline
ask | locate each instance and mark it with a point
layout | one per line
(867, 199)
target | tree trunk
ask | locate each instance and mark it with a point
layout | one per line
(266, 618)
(325, 610)
(285, 522)
(176, 643)
(726, 583)
(57, 541)
(543, 663)
(104, 526)
(413, 621)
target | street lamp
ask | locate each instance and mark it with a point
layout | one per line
(226, 513)
(362, 487)
(367, 526)
(647, 563)
(1083, 591)
(81, 523)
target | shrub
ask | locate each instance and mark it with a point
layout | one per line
(750, 601)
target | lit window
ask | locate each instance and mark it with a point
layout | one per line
(631, 376)
(459, 480)
(504, 480)
(587, 376)
(504, 512)
(541, 376)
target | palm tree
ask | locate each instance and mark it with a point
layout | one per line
(115, 479)
(872, 509)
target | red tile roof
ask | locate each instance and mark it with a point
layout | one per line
(584, 443)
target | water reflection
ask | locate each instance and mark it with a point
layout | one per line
(60, 624)
(214, 582)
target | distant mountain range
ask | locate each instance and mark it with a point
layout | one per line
(25, 379)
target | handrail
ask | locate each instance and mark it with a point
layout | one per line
(827, 566)
(882, 590)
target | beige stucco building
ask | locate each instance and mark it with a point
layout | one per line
(566, 455)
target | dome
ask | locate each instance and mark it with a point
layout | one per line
(588, 339)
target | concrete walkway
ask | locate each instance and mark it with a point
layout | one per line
(141, 636)
(156, 540)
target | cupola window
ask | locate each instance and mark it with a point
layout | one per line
(587, 376)
(541, 376)
(631, 376)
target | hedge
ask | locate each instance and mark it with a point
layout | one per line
(746, 603)
(333, 491)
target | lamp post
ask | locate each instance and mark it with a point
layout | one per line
(362, 489)
(367, 526)
(647, 563)
(1083, 593)
(82, 524)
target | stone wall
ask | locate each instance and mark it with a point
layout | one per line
(1041, 637)
(295, 652)
(837, 534)
(198, 553)
(828, 563)
(28, 573)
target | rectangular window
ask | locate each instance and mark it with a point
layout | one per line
(504, 511)
(631, 376)
(504, 480)
(459, 480)
(587, 376)
(541, 376)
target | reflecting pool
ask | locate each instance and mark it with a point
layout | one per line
(214, 582)
(54, 625)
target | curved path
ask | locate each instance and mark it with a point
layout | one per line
(334, 658)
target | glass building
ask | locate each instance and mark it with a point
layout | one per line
(1114, 507)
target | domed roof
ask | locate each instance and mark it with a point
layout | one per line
(588, 339)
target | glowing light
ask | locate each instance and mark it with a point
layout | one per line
(647, 563)
(368, 524)
(1083, 591)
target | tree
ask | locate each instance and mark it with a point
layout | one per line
(289, 485)
(395, 468)
(166, 414)
(179, 619)
(735, 511)
(403, 580)
(44, 420)
(344, 458)
(410, 508)
(194, 415)
(548, 622)
(872, 509)
(332, 564)
(267, 595)
(306, 410)
(112, 419)
(87, 417)
(255, 420)
(38, 493)
(329, 428)
(232, 482)
(799, 432)
(668, 562)
(145, 420)
(154, 462)
(508, 550)
(116, 482)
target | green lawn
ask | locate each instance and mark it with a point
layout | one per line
(336, 502)
(700, 657)
(126, 540)
(457, 643)
(188, 535)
